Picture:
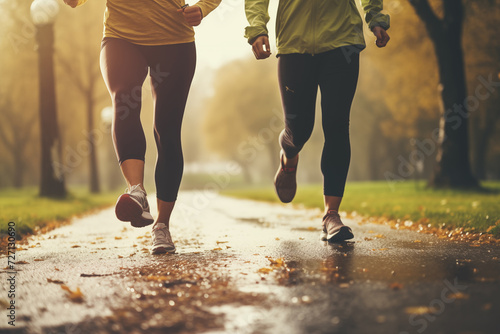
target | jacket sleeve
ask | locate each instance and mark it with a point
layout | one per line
(374, 16)
(257, 16)
(207, 6)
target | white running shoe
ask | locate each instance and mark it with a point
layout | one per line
(162, 240)
(133, 207)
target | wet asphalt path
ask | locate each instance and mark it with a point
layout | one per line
(250, 267)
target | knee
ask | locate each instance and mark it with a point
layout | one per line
(126, 101)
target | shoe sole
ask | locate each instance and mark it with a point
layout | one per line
(283, 199)
(128, 210)
(162, 250)
(343, 234)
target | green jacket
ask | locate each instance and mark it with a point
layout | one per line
(314, 26)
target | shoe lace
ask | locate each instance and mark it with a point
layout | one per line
(139, 195)
(160, 232)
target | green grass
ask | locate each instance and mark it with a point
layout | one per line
(406, 200)
(28, 211)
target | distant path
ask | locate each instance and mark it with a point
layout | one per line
(251, 267)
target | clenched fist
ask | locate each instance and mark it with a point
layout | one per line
(192, 14)
(72, 3)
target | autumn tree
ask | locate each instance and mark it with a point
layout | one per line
(78, 57)
(18, 112)
(243, 118)
(453, 164)
(482, 56)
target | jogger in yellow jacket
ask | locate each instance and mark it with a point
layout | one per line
(318, 43)
(154, 37)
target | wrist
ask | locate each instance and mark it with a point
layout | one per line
(252, 40)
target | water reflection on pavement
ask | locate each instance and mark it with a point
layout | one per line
(251, 267)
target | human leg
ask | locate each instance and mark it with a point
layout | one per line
(124, 69)
(338, 80)
(299, 86)
(172, 70)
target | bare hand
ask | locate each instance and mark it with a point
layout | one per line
(258, 47)
(382, 36)
(71, 3)
(192, 14)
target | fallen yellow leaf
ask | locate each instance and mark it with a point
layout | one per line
(458, 295)
(75, 296)
(419, 310)
(55, 281)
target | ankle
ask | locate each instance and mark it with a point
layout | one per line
(290, 162)
(167, 224)
(130, 186)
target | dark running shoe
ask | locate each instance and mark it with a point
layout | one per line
(285, 182)
(333, 228)
(133, 207)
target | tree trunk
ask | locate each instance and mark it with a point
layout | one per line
(453, 165)
(19, 169)
(481, 147)
(52, 180)
(93, 170)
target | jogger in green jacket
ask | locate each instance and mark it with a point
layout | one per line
(318, 43)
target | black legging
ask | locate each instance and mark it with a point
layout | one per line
(124, 67)
(336, 73)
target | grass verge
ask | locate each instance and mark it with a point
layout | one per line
(30, 212)
(477, 211)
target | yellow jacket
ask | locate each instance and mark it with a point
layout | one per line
(150, 22)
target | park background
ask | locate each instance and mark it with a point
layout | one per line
(234, 110)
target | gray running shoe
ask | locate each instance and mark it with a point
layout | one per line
(133, 207)
(162, 240)
(285, 182)
(333, 228)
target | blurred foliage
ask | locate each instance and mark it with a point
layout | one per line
(477, 211)
(243, 118)
(44, 212)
